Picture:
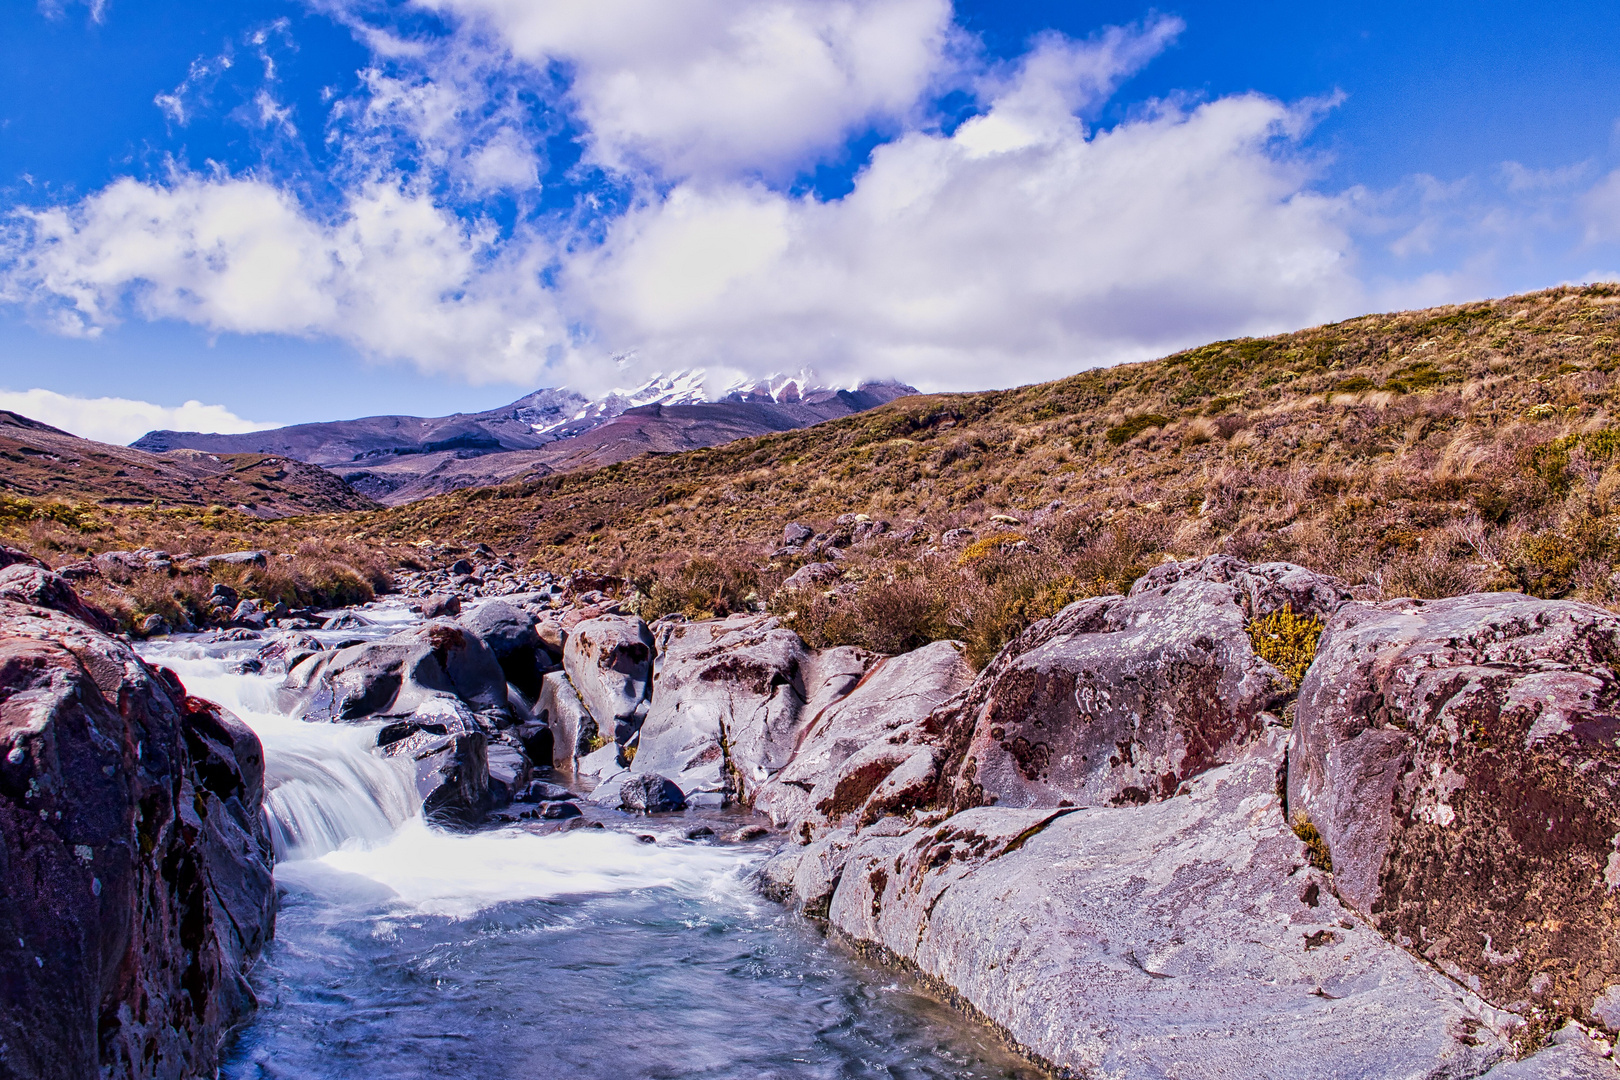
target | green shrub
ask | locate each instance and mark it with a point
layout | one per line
(1287, 641)
(1316, 848)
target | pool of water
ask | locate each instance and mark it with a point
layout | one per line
(624, 951)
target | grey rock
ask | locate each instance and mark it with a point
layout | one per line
(731, 698)
(346, 620)
(541, 791)
(155, 626)
(1121, 700)
(223, 594)
(230, 558)
(461, 566)
(609, 660)
(1566, 1061)
(286, 652)
(1461, 759)
(811, 575)
(40, 588)
(560, 811)
(397, 675)
(1186, 937)
(649, 793)
(572, 729)
(510, 633)
(794, 533)
(850, 756)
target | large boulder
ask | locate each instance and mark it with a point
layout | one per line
(397, 675)
(510, 632)
(731, 699)
(609, 660)
(1187, 937)
(866, 741)
(134, 863)
(450, 750)
(1460, 760)
(573, 732)
(38, 587)
(1121, 700)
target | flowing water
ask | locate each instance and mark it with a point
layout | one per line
(406, 951)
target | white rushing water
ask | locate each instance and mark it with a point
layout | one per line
(407, 951)
(330, 798)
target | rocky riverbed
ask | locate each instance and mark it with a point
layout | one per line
(1132, 845)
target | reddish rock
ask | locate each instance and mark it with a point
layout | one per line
(134, 862)
(1461, 759)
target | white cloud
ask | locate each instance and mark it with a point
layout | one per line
(1018, 248)
(396, 275)
(121, 420)
(1600, 208)
(711, 87)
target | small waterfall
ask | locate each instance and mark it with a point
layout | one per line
(323, 785)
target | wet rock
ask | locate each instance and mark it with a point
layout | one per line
(649, 793)
(1186, 937)
(609, 661)
(1461, 760)
(155, 626)
(509, 768)
(851, 758)
(346, 620)
(510, 633)
(541, 791)
(730, 701)
(136, 884)
(395, 676)
(1121, 700)
(450, 751)
(560, 811)
(250, 614)
(573, 731)
(697, 832)
(286, 652)
(40, 588)
(440, 606)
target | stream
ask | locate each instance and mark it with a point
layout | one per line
(403, 950)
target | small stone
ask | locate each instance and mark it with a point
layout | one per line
(747, 833)
(650, 793)
(557, 811)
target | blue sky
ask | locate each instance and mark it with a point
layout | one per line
(292, 211)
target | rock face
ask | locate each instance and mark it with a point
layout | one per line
(1461, 759)
(731, 698)
(1187, 937)
(863, 756)
(451, 752)
(134, 862)
(1121, 700)
(395, 676)
(609, 661)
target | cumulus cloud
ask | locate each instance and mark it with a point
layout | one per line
(711, 87)
(121, 420)
(395, 274)
(1016, 249)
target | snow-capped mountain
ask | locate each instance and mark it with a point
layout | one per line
(396, 458)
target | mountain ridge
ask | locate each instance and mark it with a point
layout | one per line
(396, 459)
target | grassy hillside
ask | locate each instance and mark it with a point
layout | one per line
(1421, 453)
(41, 463)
